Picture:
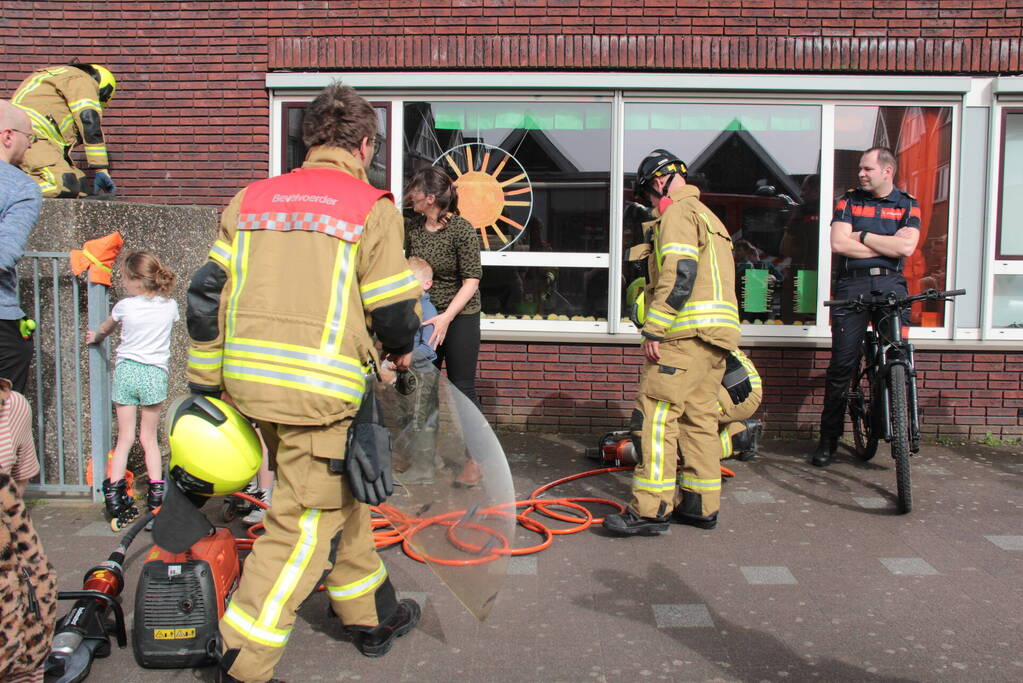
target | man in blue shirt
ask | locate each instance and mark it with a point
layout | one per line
(875, 226)
(20, 201)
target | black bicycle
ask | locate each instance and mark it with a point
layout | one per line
(882, 394)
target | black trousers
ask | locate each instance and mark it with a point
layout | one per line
(460, 353)
(847, 331)
(15, 354)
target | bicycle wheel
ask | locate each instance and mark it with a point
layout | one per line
(900, 435)
(864, 438)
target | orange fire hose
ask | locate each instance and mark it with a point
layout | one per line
(398, 528)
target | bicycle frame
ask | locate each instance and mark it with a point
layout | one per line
(886, 348)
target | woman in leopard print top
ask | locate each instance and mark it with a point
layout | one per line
(448, 242)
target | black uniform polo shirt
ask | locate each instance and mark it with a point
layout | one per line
(881, 216)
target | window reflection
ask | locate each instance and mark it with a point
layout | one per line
(531, 176)
(921, 138)
(295, 150)
(544, 293)
(757, 167)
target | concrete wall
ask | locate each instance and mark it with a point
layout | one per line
(179, 235)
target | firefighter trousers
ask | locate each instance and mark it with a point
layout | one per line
(676, 409)
(52, 170)
(311, 506)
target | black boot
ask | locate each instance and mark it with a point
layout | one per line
(746, 442)
(825, 452)
(690, 511)
(629, 523)
(120, 506)
(377, 642)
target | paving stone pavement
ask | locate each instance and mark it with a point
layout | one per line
(810, 575)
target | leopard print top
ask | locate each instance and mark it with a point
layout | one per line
(454, 254)
(28, 591)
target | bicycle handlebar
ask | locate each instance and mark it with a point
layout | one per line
(890, 301)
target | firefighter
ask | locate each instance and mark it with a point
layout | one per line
(739, 430)
(691, 323)
(66, 104)
(305, 267)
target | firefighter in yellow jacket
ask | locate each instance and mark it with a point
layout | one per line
(691, 323)
(305, 267)
(65, 104)
(739, 430)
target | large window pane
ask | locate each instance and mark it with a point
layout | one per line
(1010, 236)
(757, 168)
(544, 293)
(921, 138)
(1007, 308)
(295, 150)
(531, 176)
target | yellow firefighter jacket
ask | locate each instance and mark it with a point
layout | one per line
(304, 260)
(54, 99)
(684, 228)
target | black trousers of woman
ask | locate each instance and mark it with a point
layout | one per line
(460, 352)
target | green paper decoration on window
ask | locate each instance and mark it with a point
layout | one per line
(754, 290)
(806, 291)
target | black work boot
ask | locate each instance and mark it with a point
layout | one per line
(746, 442)
(825, 452)
(690, 512)
(377, 641)
(629, 523)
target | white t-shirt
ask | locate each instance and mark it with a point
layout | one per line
(145, 328)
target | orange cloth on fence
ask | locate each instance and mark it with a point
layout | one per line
(97, 256)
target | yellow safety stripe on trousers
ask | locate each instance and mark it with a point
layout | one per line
(706, 314)
(205, 360)
(715, 268)
(247, 627)
(658, 425)
(701, 484)
(726, 443)
(47, 182)
(221, 253)
(352, 590)
(333, 366)
(387, 287)
(337, 312)
(239, 256)
(688, 251)
(84, 103)
(292, 571)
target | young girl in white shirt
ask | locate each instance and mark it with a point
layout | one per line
(140, 376)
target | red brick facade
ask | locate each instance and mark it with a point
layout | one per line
(589, 389)
(190, 124)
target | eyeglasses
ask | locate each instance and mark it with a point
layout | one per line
(30, 136)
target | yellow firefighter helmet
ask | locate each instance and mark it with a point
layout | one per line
(214, 449)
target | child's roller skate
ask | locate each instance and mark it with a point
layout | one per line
(120, 506)
(154, 498)
(235, 507)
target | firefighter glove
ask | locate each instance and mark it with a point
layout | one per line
(103, 183)
(736, 380)
(368, 463)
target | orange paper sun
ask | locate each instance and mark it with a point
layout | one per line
(499, 201)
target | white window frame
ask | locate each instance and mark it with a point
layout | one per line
(824, 91)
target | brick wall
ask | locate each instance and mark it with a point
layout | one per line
(590, 389)
(190, 121)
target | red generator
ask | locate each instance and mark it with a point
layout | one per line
(179, 601)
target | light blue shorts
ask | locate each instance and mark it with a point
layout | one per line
(139, 384)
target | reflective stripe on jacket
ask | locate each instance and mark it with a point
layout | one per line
(308, 255)
(687, 229)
